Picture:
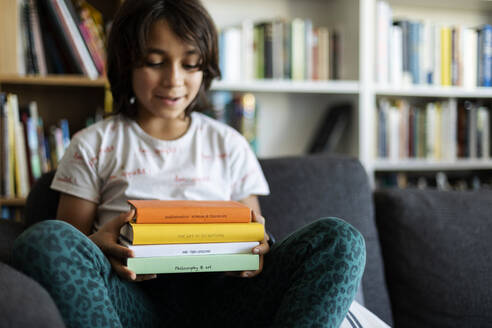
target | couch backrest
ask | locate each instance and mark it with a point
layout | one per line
(306, 188)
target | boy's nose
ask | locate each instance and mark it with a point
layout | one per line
(173, 76)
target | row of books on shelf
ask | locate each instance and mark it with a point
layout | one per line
(279, 49)
(440, 130)
(13, 213)
(60, 37)
(238, 110)
(446, 181)
(191, 236)
(423, 52)
(26, 150)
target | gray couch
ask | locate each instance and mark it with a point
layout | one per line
(429, 262)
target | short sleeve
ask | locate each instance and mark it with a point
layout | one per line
(246, 175)
(77, 172)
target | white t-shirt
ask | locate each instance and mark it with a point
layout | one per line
(115, 160)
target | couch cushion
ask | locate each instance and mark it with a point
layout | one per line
(437, 252)
(42, 201)
(306, 188)
(9, 230)
(24, 303)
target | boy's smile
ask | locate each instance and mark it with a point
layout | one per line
(166, 83)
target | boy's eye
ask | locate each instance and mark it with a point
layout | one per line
(191, 66)
(153, 64)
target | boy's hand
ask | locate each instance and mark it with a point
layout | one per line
(106, 238)
(261, 250)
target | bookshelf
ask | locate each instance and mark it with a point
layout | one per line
(470, 14)
(290, 111)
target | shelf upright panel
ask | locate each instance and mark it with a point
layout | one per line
(367, 99)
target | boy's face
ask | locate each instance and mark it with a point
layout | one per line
(170, 77)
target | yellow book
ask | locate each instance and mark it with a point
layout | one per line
(13, 178)
(446, 56)
(148, 234)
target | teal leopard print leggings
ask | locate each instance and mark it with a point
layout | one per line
(309, 280)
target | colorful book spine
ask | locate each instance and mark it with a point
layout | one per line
(446, 56)
(298, 49)
(191, 249)
(183, 211)
(485, 59)
(202, 263)
(145, 234)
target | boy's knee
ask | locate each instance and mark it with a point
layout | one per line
(43, 238)
(347, 240)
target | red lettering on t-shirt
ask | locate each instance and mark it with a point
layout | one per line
(159, 151)
(66, 179)
(139, 171)
(190, 180)
(211, 157)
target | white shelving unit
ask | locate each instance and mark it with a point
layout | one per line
(471, 13)
(291, 111)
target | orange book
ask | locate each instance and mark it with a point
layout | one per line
(189, 211)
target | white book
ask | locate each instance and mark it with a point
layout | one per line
(396, 71)
(383, 23)
(76, 37)
(191, 249)
(232, 53)
(247, 49)
(470, 58)
(483, 129)
(427, 53)
(436, 74)
(298, 45)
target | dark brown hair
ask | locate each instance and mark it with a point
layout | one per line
(128, 38)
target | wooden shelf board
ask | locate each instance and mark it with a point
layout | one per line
(384, 165)
(435, 92)
(320, 87)
(12, 201)
(55, 80)
(482, 5)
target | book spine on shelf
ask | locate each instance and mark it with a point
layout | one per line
(485, 60)
(268, 60)
(247, 49)
(446, 56)
(191, 249)
(203, 263)
(144, 234)
(469, 58)
(38, 43)
(298, 47)
(3, 144)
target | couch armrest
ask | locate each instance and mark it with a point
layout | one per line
(24, 303)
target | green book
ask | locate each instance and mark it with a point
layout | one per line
(198, 263)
